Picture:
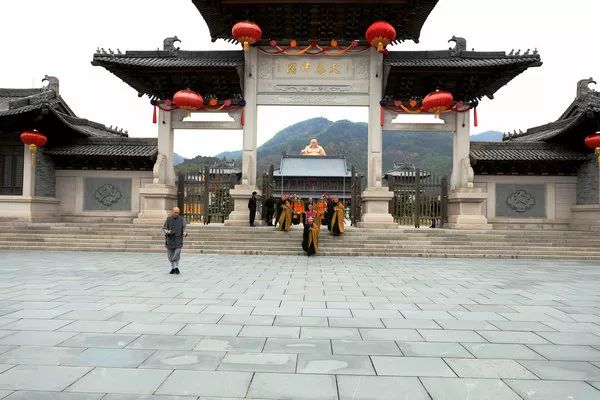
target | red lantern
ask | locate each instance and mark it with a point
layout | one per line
(593, 142)
(247, 33)
(188, 100)
(437, 102)
(380, 34)
(33, 139)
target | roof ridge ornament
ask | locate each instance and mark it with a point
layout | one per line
(583, 87)
(460, 45)
(169, 43)
(53, 84)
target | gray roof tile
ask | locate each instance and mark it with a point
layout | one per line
(522, 151)
(311, 166)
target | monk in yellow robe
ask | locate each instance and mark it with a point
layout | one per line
(285, 219)
(338, 218)
(313, 149)
(310, 237)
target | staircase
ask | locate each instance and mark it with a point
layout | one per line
(217, 239)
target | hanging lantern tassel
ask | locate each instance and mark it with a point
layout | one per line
(381, 116)
(154, 119)
(243, 119)
(475, 120)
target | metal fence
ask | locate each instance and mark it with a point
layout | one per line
(420, 199)
(203, 195)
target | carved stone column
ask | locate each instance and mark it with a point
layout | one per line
(242, 192)
(376, 198)
(157, 198)
(465, 202)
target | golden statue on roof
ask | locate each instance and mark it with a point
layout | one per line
(313, 149)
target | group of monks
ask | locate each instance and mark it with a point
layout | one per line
(313, 215)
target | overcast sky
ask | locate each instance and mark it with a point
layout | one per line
(59, 38)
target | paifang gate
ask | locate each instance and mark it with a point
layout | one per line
(319, 53)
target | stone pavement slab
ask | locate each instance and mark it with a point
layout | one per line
(192, 360)
(335, 364)
(466, 389)
(207, 383)
(29, 395)
(488, 368)
(40, 377)
(80, 326)
(120, 380)
(293, 387)
(563, 370)
(433, 349)
(380, 388)
(411, 366)
(553, 390)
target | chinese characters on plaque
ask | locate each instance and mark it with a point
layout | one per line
(310, 69)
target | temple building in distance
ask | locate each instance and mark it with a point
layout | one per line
(323, 53)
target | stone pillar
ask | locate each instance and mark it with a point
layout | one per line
(376, 198)
(242, 192)
(586, 213)
(158, 197)
(28, 173)
(465, 203)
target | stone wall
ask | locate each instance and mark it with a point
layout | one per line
(528, 202)
(45, 175)
(100, 195)
(588, 181)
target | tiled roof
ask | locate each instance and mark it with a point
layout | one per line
(15, 102)
(313, 20)
(581, 118)
(312, 166)
(519, 151)
(468, 75)
(161, 73)
(465, 59)
(112, 147)
(171, 59)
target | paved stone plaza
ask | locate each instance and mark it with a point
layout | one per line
(117, 326)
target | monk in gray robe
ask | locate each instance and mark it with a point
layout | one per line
(175, 231)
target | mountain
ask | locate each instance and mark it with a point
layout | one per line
(177, 159)
(427, 150)
(488, 136)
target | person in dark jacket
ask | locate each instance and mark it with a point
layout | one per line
(269, 210)
(175, 230)
(252, 208)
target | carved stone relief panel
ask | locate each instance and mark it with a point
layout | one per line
(107, 194)
(521, 201)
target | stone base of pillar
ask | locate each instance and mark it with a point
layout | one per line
(29, 209)
(585, 218)
(376, 209)
(156, 202)
(465, 209)
(240, 214)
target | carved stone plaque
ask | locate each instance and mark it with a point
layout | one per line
(313, 75)
(107, 194)
(521, 201)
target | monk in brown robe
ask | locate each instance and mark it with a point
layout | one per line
(285, 219)
(310, 237)
(338, 219)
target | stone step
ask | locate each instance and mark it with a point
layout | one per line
(219, 239)
(581, 257)
(329, 241)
